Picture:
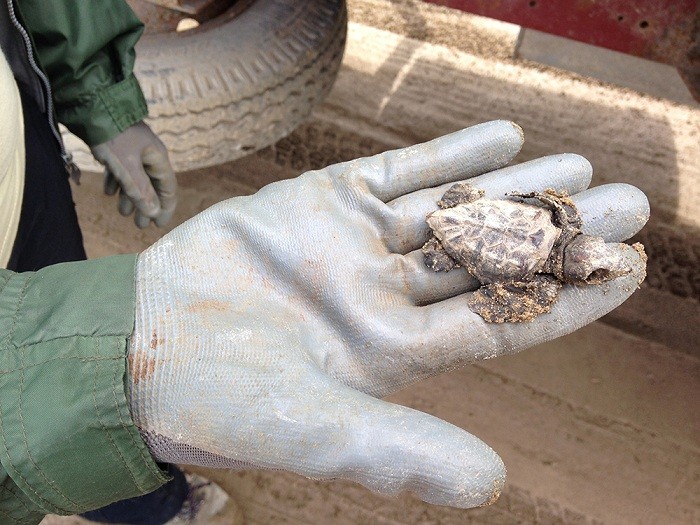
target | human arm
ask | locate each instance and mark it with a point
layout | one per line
(87, 52)
(67, 441)
(266, 328)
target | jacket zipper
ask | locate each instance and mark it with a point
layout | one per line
(71, 167)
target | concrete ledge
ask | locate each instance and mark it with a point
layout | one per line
(645, 76)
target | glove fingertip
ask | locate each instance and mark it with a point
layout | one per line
(110, 183)
(141, 220)
(151, 210)
(163, 219)
(125, 206)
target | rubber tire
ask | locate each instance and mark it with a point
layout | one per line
(234, 86)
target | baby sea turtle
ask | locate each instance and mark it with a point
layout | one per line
(521, 252)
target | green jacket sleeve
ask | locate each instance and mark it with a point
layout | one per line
(87, 51)
(67, 440)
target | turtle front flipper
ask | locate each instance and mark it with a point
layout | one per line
(460, 193)
(436, 258)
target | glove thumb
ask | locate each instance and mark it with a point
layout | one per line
(390, 449)
(329, 431)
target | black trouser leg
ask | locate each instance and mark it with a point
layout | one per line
(48, 231)
(155, 508)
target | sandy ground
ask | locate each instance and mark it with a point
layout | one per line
(601, 426)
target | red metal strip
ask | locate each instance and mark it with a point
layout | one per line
(661, 30)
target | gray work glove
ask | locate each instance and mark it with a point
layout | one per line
(136, 162)
(268, 327)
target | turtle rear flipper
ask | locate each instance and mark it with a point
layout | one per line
(513, 301)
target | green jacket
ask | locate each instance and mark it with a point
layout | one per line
(86, 49)
(67, 440)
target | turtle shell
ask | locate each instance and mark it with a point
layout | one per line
(496, 240)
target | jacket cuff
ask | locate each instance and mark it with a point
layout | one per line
(102, 117)
(68, 443)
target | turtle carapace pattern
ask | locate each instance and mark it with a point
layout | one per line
(521, 249)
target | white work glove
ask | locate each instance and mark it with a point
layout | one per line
(268, 326)
(136, 162)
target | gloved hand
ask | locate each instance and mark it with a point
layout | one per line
(268, 326)
(136, 162)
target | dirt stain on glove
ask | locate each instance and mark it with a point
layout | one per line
(140, 368)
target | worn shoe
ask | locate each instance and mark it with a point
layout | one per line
(206, 504)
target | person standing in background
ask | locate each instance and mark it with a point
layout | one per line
(73, 63)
